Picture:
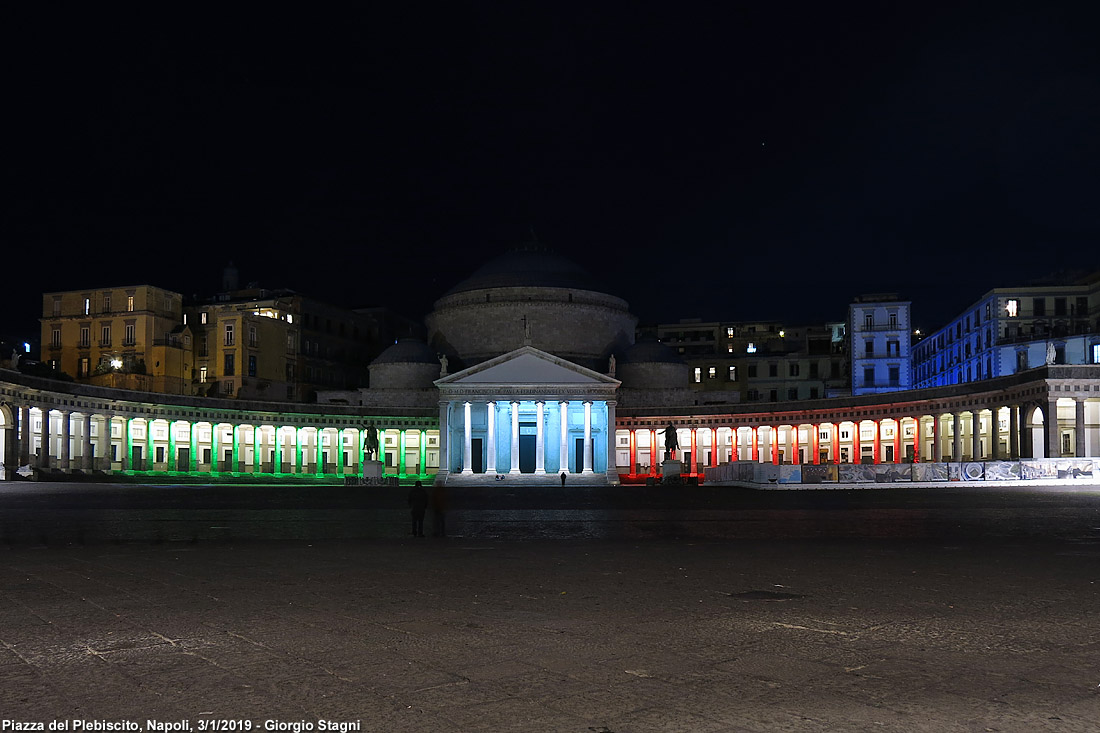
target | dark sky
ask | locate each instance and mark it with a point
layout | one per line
(766, 160)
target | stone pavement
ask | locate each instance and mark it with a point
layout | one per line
(574, 635)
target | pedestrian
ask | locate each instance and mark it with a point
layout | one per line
(563, 479)
(418, 503)
(439, 511)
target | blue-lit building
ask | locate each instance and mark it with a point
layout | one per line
(1010, 330)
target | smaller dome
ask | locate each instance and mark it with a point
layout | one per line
(651, 352)
(407, 351)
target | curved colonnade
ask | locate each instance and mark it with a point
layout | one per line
(114, 431)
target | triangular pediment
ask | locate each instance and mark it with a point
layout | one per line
(526, 366)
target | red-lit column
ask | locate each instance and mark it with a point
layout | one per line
(877, 445)
(755, 443)
(633, 451)
(836, 442)
(773, 433)
(713, 447)
(653, 452)
(897, 440)
(815, 442)
(916, 439)
(794, 447)
(694, 455)
(856, 456)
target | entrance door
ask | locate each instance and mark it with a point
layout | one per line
(183, 459)
(476, 458)
(136, 458)
(579, 456)
(527, 441)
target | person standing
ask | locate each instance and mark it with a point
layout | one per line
(439, 511)
(418, 503)
(563, 479)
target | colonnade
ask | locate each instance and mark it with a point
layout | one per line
(68, 440)
(998, 432)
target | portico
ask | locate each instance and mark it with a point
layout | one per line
(527, 412)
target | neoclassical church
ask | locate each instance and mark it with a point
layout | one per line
(529, 370)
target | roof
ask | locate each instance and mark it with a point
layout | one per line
(407, 351)
(651, 352)
(529, 265)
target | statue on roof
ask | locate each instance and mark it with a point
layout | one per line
(1052, 354)
(611, 366)
(442, 365)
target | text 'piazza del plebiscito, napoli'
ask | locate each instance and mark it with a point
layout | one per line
(530, 370)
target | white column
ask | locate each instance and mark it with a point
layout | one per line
(612, 448)
(540, 442)
(491, 439)
(515, 438)
(44, 437)
(66, 438)
(563, 459)
(587, 437)
(467, 441)
(105, 442)
(444, 442)
(86, 438)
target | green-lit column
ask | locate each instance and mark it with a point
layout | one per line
(277, 464)
(171, 445)
(401, 455)
(382, 449)
(235, 464)
(256, 444)
(361, 441)
(214, 447)
(128, 457)
(194, 457)
(319, 459)
(297, 450)
(422, 469)
(340, 451)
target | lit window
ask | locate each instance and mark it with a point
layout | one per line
(130, 303)
(185, 319)
(289, 318)
(712, 373)
(751, 348)
(698, 375)
(1011, 307)
(87, 306)
(202, 318)
(729, 350)
(782, 333)
(729, 332)
(733, 373)
(202, 374)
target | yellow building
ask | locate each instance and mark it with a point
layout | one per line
(245, 349)
(127, 337)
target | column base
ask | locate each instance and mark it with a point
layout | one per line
(467, 472)
(540, 471)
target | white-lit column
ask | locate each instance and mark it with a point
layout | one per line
(540, 441)
(563, 455)
(467, 441)
(587, 437)
(66, 438)
(612, 469)
(86, 439)
(515, 439)
(44, 438)
(105, 442)
(491, 439)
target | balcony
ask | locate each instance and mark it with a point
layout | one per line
(880, 327)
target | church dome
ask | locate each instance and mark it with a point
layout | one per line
(408, 364)
(529, 265)
(407, 351)
(653, 365)
(530, 295)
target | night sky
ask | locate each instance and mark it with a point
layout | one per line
(762, 161)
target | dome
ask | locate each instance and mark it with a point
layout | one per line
(651, 352)
(529, 265)
(407, 351)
